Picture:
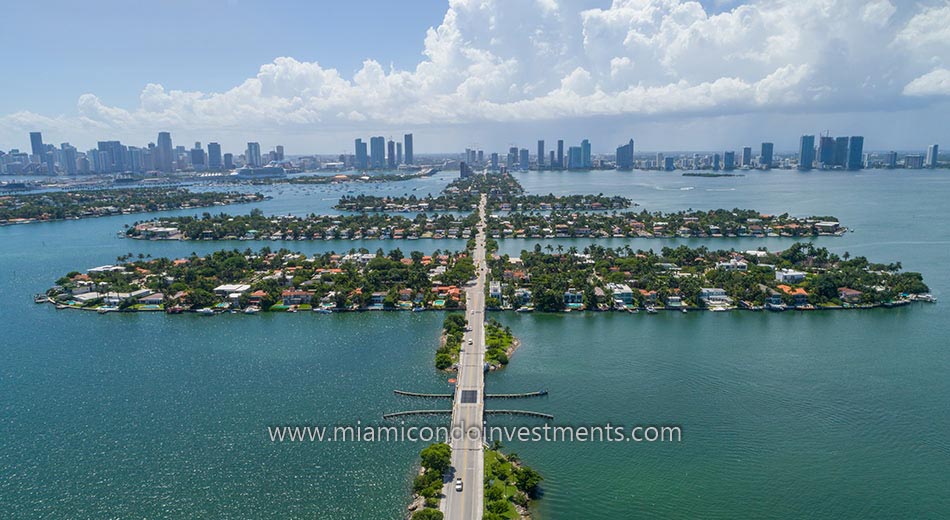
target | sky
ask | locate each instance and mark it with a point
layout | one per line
(671, 74)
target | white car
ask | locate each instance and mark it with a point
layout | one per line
(458, 484)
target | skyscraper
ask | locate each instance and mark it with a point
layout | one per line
(214, 156)
(575, 158)
(717, 162)
(362, 160)
(524, 160)
(36, 144)
(806, 152)
(229, 161)
(932, 152)
(115, 156)
(560, 153)
(890, 160)
(494, 161)
(765, 156)
(391, 154)
(540, 153)
(841, 151)
(855, 152)
(398, 153)
(407, 139)
(197, 157)
(279, 153)
(729, 160)
(50, 163)
(69, 158)
(165, 157)
(747, 157)
(464, 170)
(253, 155)
(377, 151)
(585, 154)
(625, 156)
(826, 151)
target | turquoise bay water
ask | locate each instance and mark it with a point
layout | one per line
(815, 415)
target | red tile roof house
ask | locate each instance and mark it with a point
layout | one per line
(295, 297)
(798, 294)
(256, 297)
(846, 294)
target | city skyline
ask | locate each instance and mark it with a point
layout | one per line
(601, 71)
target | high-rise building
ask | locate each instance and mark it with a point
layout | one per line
(362, 160)
(747, 157)
(660, 160)
(524, 160)
(668, 164)
(279, 153)
(465, 171)
(253, 155)
(229, 161)
(115, 154)
(765, 156)
(585, 154)
(50, 161)
(197, 157)
(37, 147)
(717, 162)
(480, 157)
(806, 152)
(165, 156)
(914, 162)
(69, 158)
(890, 160)
(932, 152)
(551, 158)
(540, 154)
(214, 156)
(855, 152)
(560, 153)
(407, 139)
(575, 158)
(391, 154)
(398, 153)
(729, 161)
(826, 151)
(625, 156)
(494, 161)
(377, 151)
(841, 151)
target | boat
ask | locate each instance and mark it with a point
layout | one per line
(60, 306)
(651, 310)
(719, 309)
(524, 309)
(929, 298)
(321, 310)
(107, 308)
(685, 311)
(175, 310)
(40, 298)
(253, 309)
(206, 311)
(775, 307)
(418, 309)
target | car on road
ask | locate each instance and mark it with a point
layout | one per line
(458, 484)
(469, 341)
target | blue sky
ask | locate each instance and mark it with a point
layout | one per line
(673, 74)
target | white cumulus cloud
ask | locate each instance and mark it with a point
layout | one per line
(503, 60)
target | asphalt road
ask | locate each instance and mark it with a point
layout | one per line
(468, 408)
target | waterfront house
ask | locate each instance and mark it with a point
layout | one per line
(622, 293)
(227, 289)
(295, 297)
(648, 297)
(799, 295)
(523, 296)
(153, 299)
(494, 290)
(573, 297)
(789, 276)
(848, 295)
(714, 296)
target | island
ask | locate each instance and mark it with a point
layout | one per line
(553, 225)
(802, 277)
(266, 280)
(76, 204)
(504, 193)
